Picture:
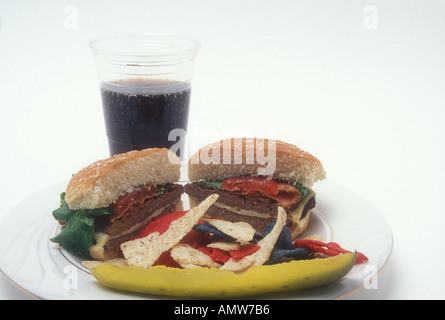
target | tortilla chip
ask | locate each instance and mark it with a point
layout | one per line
(268, 242)
(226, 246)
(119, 262)
(241, 231)
(145, 251)
(188, 256)
(262, 255)
(238, 265)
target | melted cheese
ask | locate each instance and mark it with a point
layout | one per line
(249, 213)
(97, 250)
(295, 215)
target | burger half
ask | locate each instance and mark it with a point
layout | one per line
(235, 170)
(109, 201)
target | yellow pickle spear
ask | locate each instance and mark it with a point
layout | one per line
(201, 282)
(244, 272)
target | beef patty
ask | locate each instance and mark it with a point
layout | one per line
(122, 230)
(257, 211)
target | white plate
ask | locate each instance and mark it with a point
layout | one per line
(37, 266)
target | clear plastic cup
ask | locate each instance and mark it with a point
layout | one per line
(145, 84)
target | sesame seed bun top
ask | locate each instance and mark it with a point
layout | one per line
(253, 156)
(104, 181)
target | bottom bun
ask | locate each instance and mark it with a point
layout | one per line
(298, 228)
(295, 227)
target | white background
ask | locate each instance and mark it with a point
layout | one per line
(360, 84)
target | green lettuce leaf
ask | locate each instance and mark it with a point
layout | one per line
(163, 188)
(215, 183)
(301, 189)
(64, 212)
(77, 236)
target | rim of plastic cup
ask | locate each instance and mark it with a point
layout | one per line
(137, 45)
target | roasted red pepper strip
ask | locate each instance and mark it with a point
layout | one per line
(195, 238)
(219, 255)
(135, 197)
(166, 259)
(245, 250)
(159, 224)
(331, 248)
(204, 249)
(263, 185)
(223, 256)
(285, 194)
(361, 258)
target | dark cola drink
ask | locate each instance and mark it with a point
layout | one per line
(140, 114)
